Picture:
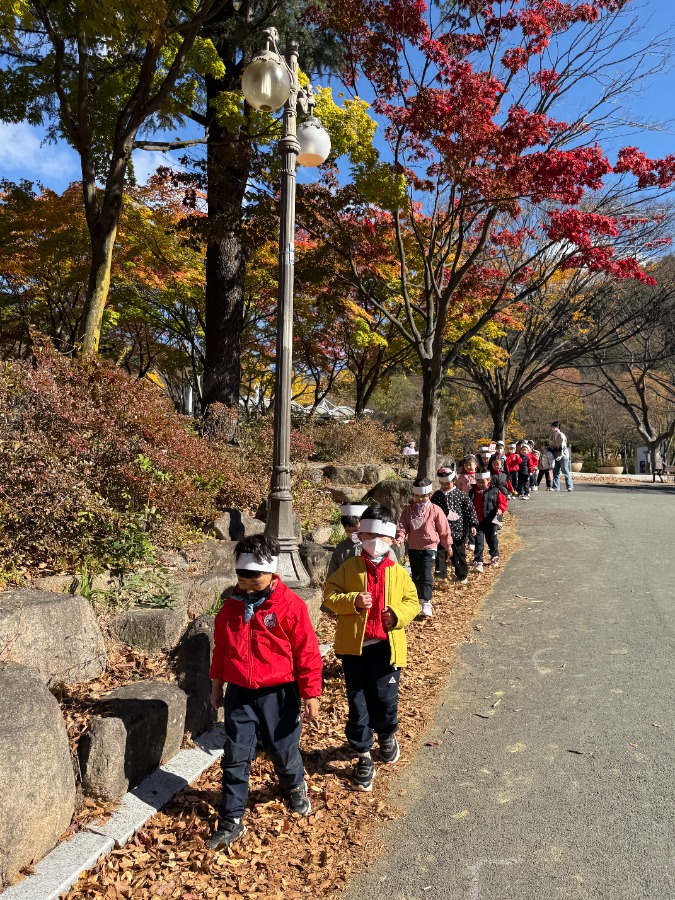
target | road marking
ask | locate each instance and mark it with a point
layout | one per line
(475, 872)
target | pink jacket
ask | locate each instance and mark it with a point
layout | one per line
(465, 482)
(434, 530)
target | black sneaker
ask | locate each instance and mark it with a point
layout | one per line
(230, 830)
(390, 750)
(298, 800)
(364, 774)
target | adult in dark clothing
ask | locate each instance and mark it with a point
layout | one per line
(462, 520)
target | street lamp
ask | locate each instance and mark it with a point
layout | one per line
(268, 83)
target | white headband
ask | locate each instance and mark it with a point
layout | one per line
(376, 526)
(353, 509)
(425, 489)
(444, 479)
(486, 475)
(250, 563)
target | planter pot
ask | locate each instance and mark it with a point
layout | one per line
(576, 467)
(610, 470)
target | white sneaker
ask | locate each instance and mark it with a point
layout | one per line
(426, 610)
(463, 580)
(535, 488)
(477, 566)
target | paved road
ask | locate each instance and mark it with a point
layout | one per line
(567, 788)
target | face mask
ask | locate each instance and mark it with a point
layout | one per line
(254, 596)
(376, 548)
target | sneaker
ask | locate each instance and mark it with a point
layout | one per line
(477, 566)
(230, 830)
(494, 562)
(569, 490)
(426, 610)
(472, 547)
(364, 773)
(463, 580)
(298, 800)
(390, 750)
(499, 525)
(549, 489)
(535, 488)
(525, 497)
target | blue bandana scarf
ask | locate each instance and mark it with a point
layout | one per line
(251, 604)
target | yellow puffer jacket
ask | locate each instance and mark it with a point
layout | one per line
(399, 594)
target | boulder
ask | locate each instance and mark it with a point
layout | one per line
(313, 597)
(221, 556)
(191, 664)
(346, 494)
(56, 635)
(320, 534)
(151, 629)
(140, 725)
(57, 584)
(344, 474)
(203, 592)
(392, 493)
(37, 783)
(315, 559)
(235, 526)
(261, 514)
(375, 474)
(313, 474)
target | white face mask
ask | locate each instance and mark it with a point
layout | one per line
(376, 548)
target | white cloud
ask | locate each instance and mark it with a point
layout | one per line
(23, 155)
(146, 163)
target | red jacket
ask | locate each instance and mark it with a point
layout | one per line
(512, 462)
(496, 502)
(276, 646)
(533, 464)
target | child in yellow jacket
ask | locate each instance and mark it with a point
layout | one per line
(374, 599)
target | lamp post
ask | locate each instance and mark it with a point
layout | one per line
(268, 83)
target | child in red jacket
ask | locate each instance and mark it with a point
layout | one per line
(512, 465)
(488, 501)
(266, 651)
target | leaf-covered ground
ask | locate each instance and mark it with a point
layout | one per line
(283, 855)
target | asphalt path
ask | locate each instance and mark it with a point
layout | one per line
(555, 772)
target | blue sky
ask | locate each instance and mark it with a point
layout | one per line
(23, 155)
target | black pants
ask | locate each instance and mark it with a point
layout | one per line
(458, 560)
(274, 715)
(486, 531)
(422, 572)
(524, 484)
(544, 473)
(372, 695)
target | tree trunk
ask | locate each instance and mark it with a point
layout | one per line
(432, 383)
(228, 169)
(102, 246)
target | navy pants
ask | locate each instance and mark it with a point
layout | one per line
(524, 484)
(422, 572)
(372, 695)
(273, 714)
(458, 560)
(486, 531)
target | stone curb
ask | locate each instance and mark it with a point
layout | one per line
(58, 871)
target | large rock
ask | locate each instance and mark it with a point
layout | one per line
(191, 663)
(344, 474)
(315, 559)
(320, 534)
(57, 584)
(346, 494)
(313, 597)
(235, 526)
(392, 493)
(56, 635)
(151, 629)
(37, 784)
(140, 726)
(375, 474)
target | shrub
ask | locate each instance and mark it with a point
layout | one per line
(95, 465)
(361, 441)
